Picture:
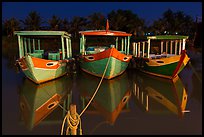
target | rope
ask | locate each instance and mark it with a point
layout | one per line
(77, 121)
(71, 126)
(98, 85)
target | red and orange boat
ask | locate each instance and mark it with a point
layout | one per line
(104, 52)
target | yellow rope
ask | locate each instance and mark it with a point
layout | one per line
(71, 126)
(78, 120)
(98, 85)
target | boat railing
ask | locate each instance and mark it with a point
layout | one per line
(169, 47)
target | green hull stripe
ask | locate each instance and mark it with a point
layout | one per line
(115, 67)
(163, 70)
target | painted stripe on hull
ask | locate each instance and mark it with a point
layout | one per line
(166, 70)
(40, 75)
(105, 54)
(169, 70)
(115, 67)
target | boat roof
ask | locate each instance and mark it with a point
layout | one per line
(42, 33)
(163, 37)
(104, 33)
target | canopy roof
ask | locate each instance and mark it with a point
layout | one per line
(163, 37)
(104, 33)
(42, 33)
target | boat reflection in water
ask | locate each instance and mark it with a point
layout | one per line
(111, 98)
(160, 96)
(39, 101)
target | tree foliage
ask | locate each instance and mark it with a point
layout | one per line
(10, 26)
(33, 21)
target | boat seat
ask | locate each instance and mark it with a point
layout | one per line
(90, 52)
(54, 56)
(153, 56)
(39, 51)
(122, 52)
(37, 55)
(170, 55)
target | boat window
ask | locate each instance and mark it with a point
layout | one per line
(90, 57)
(50, 64)
(90, 49)
(125, 58)
(160, 61)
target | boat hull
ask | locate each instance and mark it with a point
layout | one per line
(42, 70)
(95, 64)
(168, 67)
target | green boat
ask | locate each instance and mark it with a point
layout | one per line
(162, 55)
(104, 53)
(44, 55)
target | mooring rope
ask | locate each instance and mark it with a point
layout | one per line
(78, 119)
(71, 126)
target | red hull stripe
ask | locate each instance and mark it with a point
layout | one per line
(104, 33)
(179, 63)
(105, 54)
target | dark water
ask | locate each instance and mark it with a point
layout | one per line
(133, 103)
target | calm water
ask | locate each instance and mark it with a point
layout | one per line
(133, 103)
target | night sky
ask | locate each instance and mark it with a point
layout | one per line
(149, 11)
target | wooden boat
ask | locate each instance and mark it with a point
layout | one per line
(111, 98)
(111, 48)
(161, 96)
(41, 65)
(37, 102)
(159, 60)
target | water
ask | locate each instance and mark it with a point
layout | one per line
(133, 103)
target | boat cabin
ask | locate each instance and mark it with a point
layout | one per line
(160, 46)
(95, 41)
(51, 45)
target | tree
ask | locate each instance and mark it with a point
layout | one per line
(77, 24)
(11, 25)
(174, 23)
(55, 23)
(33, 21)
(65, 25)
(125, 20)
(96, 21)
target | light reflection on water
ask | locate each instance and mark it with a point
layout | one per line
(133, 103)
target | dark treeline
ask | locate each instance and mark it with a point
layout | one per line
(121, 20)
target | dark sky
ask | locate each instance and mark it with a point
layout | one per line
(149, 11)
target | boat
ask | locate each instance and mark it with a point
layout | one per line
(162, 55)
(159, 96)
(104, 51)
(37, 102)
(46, 59)
(111, 98)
